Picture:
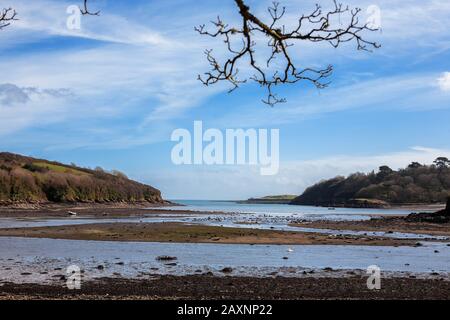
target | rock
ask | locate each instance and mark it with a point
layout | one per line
(285, 258)
(100, 267)
(436, 251)
(418, 244)
(171, 264)
(63, 278)
(166, 258)
(442, 216)
(26, 273)
(227, 270)
(120, 263)
(328, 269)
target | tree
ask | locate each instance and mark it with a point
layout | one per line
(85, 10)
(99, 169)
(442, 162)
(385, 169)
(7, 15)
(317, 26)
(119, 174)
(414, 165)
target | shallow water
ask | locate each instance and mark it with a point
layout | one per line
(47, 259)
(284, 210)
(267, 222)
(21, 255)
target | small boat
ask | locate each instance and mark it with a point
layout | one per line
(72, 213)
(290, 250)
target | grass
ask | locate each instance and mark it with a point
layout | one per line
(59, 168)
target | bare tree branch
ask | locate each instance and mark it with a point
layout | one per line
(314, 27)
(6, 17)
(85, 10)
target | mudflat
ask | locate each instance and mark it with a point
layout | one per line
(193, 233)
(383, 224)
(96, 211)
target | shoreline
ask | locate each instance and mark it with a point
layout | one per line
(206, 287)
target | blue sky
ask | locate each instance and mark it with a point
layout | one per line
(111, 93)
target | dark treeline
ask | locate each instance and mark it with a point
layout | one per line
(25, 179)
(415, 184)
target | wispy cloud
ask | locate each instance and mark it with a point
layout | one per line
(40, 19)
(408, 92)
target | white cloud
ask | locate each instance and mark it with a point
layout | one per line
(444, 81)
(240, 182)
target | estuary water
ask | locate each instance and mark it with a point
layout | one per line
(44, 260)
(283, 210)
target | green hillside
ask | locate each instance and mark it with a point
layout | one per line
(28, 180)
(424, 184)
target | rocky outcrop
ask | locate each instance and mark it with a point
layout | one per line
(442, 216)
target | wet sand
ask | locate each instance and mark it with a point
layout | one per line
(100, 211)
(212, 287)
(190, 233)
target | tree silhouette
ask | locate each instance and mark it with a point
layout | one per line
(7, 16)
(85, 10)
(278, 67)
(442, 162)
(317, 26)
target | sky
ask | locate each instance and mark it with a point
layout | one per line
(111, 93)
